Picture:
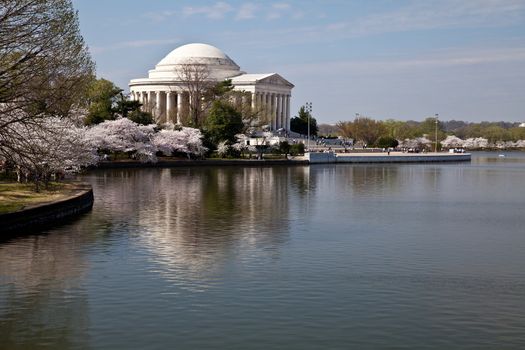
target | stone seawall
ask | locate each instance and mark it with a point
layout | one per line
(207, 162)
(397, 157)
(15, 223)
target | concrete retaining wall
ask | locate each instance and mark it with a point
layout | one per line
(46, 214)
(320, 158)
(207, 162)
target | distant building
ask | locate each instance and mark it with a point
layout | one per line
(165, 93)
(522, 125)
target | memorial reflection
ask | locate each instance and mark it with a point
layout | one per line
(191, 219)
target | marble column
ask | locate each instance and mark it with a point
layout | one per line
(274, 111)
(268, 108)
(179, 107)
(169, 106)
(279, 121)
(254, 100)
(288, 113)
(283, 111)
(164, 106)
(157, 108)
(151, 101)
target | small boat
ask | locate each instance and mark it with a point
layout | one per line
(501, 156)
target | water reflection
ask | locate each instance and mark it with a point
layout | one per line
(192, 219)
(41, 293)
(376, 256)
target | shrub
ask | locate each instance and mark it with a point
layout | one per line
(297, 149)
(386, 142)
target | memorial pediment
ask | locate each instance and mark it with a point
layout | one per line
(275, 79)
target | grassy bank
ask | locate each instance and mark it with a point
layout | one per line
(16, 196)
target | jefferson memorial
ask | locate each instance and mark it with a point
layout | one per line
(165, 91)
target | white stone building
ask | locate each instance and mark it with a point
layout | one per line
(165, 93)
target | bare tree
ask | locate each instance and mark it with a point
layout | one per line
(45, 69)
(196, 78)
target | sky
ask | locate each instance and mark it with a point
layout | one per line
(400, 59)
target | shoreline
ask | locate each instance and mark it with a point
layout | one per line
(50, 213)
(306, 160)
(56, 212)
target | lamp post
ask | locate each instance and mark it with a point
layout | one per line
(355, 128)
(308, 108)
(436, 133)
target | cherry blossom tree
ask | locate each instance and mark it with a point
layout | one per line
(186, 140)
(124, 135)
(476, 143)
(452, 142)
(417, 143)
(57, 147)
(223, 148)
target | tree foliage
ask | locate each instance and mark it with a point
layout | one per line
(106, 101)
(387, 142)
(224, 122)
(299, 124)
(102, 101)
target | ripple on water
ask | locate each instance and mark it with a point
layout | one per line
(384, 256)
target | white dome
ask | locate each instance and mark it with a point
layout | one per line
(219, 64)
(192, 51)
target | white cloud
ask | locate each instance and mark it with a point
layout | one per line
(281, 6)
(418, 16)
(159, 16)
(133, 44)
(277, 10)
(428, 61)
(422, 15)
(216, 11)
(246, 11)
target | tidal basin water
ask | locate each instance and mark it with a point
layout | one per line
(414, 256)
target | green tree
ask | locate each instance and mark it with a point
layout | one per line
(517, 133)
(125, 106)
(399, 130)
(367, 130)
(103, 97)
(284, 147)
(107, 102)
(299, 123)
(495, 133)
(428, 127)
(386, 142)
(140, 117)
(223, 123)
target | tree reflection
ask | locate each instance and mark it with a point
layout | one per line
(191, 219)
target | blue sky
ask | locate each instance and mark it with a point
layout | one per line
(463, 59)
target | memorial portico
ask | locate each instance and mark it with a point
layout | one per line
(165, 94)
